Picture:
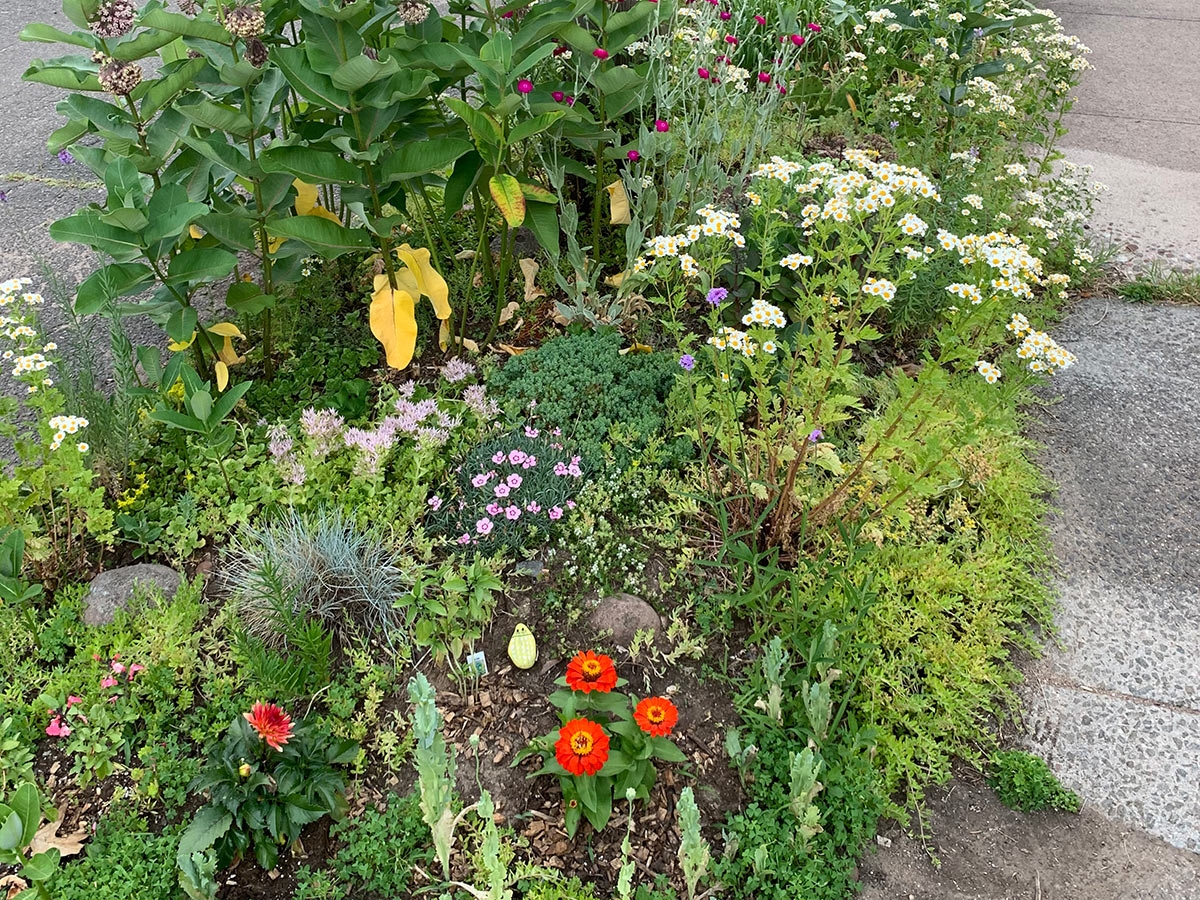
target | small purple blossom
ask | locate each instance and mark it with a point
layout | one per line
(516, 457)
(322, 427)
(688, 362)
(475, 396)
(435, 502)
(716, 296)
(457, 370)
(501, 490)
(529, 463)
(493, 509)
(815, 435)
(65, 157)
(3, 196)
(893, 124)
(480, 480)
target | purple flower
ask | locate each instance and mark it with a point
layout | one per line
(65, 157)
(815, 435)
(687, 361)
(493, 509)
(498, 457)
(3, 196)
(574, 471)
(716, 295)
(324, 428)
(457, 370)
(512, 513)
(464, 538)
(893, 124)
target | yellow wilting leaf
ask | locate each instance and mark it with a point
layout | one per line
(429, 282)
(222, 371)
(394, 322)
(853, 107)
(226, 329)
(176, 346)
(227, 355)
(195, 232)
(529, 268)
(635, 347)
(511, 350)
(307, 205)
(618, 201)
(615, 280)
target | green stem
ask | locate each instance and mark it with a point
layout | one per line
(264, 244)
(505, 265)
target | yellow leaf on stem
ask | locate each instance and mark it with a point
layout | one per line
(394, 322)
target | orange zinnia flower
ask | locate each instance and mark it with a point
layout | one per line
(271, 722)
(656, 716)
(582, 747)
(591, 672)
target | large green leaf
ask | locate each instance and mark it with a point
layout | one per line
(217, 116)
(200, 264)
(464, 176)
(60, 77)
(163, 89)
(170, 213)
(323, 165)
(145, 44)
(423, 157)
(108, 283)
(42, 866)
(536, 125)
(327, 238)
(81, 12)
(85, 227)
(542, 220)
(485, 129)
(48, 34)
(306, 81)
(27, 803)
(359, 71)
(11, 829)
(180, 24)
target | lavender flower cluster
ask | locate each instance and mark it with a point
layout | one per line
(508, 488)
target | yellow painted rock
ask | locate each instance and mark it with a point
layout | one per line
(522, 647)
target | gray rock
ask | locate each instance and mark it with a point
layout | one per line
(624, 615)
(112, 590)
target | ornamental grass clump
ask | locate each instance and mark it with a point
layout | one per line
(608, 741)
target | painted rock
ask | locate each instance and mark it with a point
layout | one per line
(522, 647)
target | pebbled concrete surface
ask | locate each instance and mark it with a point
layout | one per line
(1116, 707)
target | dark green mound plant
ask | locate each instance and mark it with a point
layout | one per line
(1023, 781)
(583, 385)
(124, 861)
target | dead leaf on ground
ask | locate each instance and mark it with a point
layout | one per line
(509, 311)
(529, 268)
(12, 885)
(511, 350)
(465, 254)
(47, 836)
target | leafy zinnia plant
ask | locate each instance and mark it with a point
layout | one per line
(607, 743)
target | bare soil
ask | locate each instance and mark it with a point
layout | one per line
(990, 852)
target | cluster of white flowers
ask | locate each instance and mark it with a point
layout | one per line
(996, 100)
(990, 373)
(879, 287)
(763, 313)
(1043, 353)
(64, 425)
(794, 261)
(966, 292)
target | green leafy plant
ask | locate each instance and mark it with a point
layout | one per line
(1023, 781)
(125, 860)
(380, 846)
(694, 856)
(435, 769)
(19, 821)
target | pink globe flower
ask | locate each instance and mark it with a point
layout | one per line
(633, 155)
(764, 77)
(660, 125)
(570, 101)
(730, 39)
(558, 96)
(600, 53)
(525, 86)
(782, 90)
(814, 27)
(726, 15)
(760, 20)
(703, 73)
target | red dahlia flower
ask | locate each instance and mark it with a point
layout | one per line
(656, 716)
(271, 722)
(591, 672)
(582, 747)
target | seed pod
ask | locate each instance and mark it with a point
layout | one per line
(114, 19)
(412, 12)
(188, 7)
(245, 21)
(256, 52)
(119, 77)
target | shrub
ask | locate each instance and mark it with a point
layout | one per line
(380, 847)
(1023, 781)
(124, 861)
(322, 566)
(581, 384)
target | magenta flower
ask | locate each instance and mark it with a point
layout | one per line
(782, 90)
(516, 457)
(56, 728)
(814, 27)
(560, 468)
(72, 700)
(726, 15)
(661, 125)
(558, 96)
(484, 526)
(764, 77)
(760, 20)
(688, 362)
(716, 295)
(600, 53)
(525, 86)
(633, 155)
(570, 101)
(703, 73)
(556, 512)
(797, 40)
(493, 508)
(108, 681)
(730, 39)
(498, 457)
(574, 471)
(512, 513)
(533, 506)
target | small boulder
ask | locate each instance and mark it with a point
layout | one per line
(112, 590)
(625, 615)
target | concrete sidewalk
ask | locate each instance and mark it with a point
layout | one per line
(1137, 122)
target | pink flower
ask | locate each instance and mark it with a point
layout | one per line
(435, 502)
(560, 468)
(507, 15)
(525, 86)
(797, 40)
(814, 27)
(730, 39)
(558, 96)
(570, 504)
(119, 668)
(56, 728)
(760, 20)
(501, 490)
(516, 457)
(533, 506)
(764, 77)
(514, 480)
(108, 681)
(529, 463)
(498, 457)
(512, 513)
(600, 53)
(570, 101)
(484, 526)
(782, 90)
(661, 125)
(726, 15)
(556, 512)
(574, 471)
(464, 538)
(557, 432)
(493, 509)
(134, 669)
(633, 155)
(531, 432)
(702, 72)
(480, 480)
(72, 700)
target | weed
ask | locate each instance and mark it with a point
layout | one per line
(1023, 781)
